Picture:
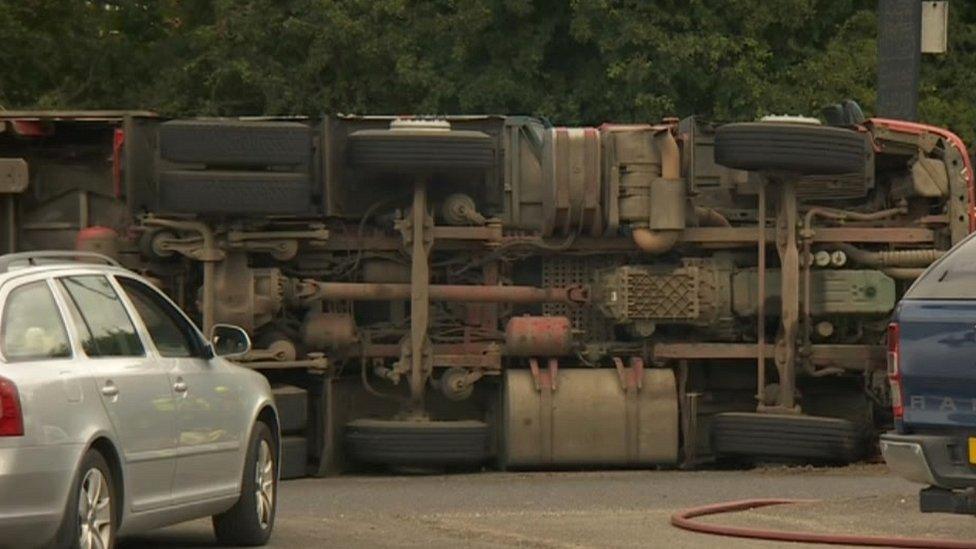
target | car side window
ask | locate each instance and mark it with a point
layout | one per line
(171, 333)
(32, 328)
(103, 323)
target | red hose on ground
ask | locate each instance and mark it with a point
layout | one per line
(683, 519)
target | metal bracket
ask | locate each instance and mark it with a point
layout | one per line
(405, 226)
(632, 377)
(786, 244)
(282, 245)
(281, 250)
(419, 241)
(631, 381)
(403, 366)
(13, 175)
(544, 381)
(689, 429)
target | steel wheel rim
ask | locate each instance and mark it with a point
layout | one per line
(264, 484)
(94, 511)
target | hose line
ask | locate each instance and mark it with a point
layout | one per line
(683, 519)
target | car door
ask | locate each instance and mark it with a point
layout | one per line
(134, 387)
(209, 408)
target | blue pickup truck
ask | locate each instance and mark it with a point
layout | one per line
(932, 370)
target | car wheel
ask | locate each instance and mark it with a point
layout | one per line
(90, 521)
(251, 519)
(417, 443)
(793, 148)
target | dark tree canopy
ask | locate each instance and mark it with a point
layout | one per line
(575, 61)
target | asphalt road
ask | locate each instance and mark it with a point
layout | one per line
(579, 509)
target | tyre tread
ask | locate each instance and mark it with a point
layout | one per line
(426, 443)
(222, 192)
(806, 150)
(815, 438)
(235, 142)
(413, 152)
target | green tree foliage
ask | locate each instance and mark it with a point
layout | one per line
(573, 61)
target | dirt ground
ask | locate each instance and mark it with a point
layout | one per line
(581, 509)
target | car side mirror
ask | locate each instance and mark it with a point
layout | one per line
(229, 341)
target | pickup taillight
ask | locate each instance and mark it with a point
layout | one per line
(894, 370)
(11, 416)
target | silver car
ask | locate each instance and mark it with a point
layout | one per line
(117, 416)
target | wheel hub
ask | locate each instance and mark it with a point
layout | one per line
(94, 511)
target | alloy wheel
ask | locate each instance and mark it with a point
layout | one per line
(264, 484)
(94, 511)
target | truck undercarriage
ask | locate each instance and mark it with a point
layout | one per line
(469, 290)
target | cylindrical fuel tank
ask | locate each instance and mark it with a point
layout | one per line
(590, 419)
(539, 336)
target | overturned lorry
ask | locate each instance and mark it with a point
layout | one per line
(492, 290)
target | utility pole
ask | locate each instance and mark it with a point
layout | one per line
(906, 29)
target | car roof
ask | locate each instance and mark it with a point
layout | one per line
(14, 261)
(23, 264)
(64, 268)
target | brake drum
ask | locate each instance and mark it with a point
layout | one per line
(590, 419)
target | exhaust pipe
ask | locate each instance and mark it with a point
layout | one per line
(667, 215)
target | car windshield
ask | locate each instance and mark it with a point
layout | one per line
(952, 277)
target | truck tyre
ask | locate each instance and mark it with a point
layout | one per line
(243, 193)
(292, 404)
(395, 149)
(235, 142)
(417, 443)
(792, 148)
(807, 438)
(294, 457)
(251, 520)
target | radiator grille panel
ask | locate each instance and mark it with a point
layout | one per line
(566, 271)
(671, 296)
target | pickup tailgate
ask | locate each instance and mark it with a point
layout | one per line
(937, 360)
